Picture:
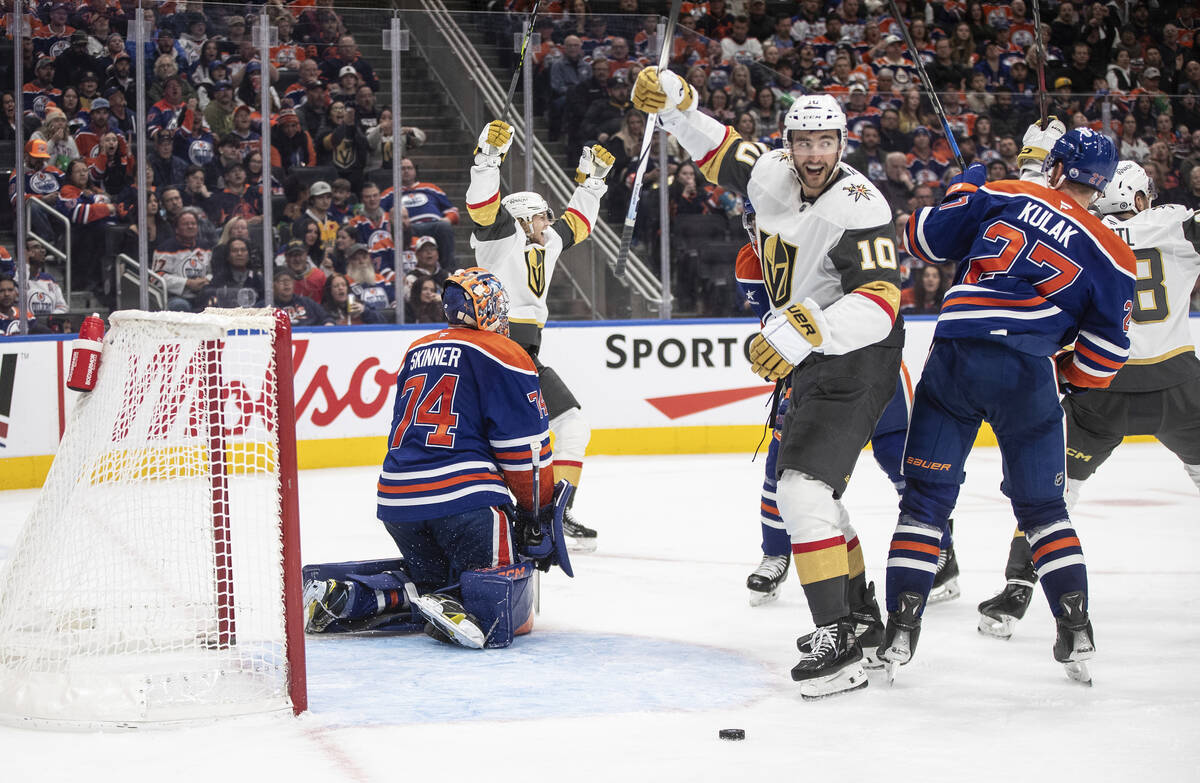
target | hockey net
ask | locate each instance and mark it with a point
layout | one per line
(157, 578)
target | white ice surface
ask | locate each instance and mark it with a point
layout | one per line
(638, 662)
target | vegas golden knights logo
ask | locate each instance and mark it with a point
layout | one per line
(778, 264)
(535, 265)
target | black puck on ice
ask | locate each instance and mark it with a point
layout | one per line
(732, 734)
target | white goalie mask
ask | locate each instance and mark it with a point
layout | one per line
(525, 205)
(1129, 180)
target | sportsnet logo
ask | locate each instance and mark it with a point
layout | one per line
(8, 374)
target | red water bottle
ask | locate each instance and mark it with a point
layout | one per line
(85, 355)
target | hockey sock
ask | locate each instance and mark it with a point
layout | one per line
(1020, 560)
(1073, 490)
(912, 559)
(817, 524)
(1058, 559)
(857, 571)
(888, 451)
(1193, 472)
(775, 540)
(948, 534)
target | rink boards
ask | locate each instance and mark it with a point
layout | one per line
(647, 387)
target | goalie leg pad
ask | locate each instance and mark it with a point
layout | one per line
(378, 591)
(501, 599)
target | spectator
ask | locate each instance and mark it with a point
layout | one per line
(738, 46)
(8, 123)
(1133, 146)
(925, 296)
(184, 262)
(380, 147)
(237, 282)
(373, 226)
(59, 143)
(195, 193)
(581, 96)
(249, 139)
(236, 228)
(313, 112)
(74, 61)
(302, 310)
(688, 196)
(897, 185)
(346, 55)
(604, 115)
(1119, 76)
(766, 115)
(1188, 195)
(336, 256)
(168, 169)
(219, 112)
(343, 305)
(307, 231)
(891, 138)
(365, 110)
(425, 301)
(345, 147)
(717, 23)
(429, 260)
(369, 286)
(340, 207)
(868, 159)
(10, 313)
(718, 107)
(310, 280)
(565, 72)
(43, 181)
(45, 297)
(346, 86)
(291, 145)
(429, 211)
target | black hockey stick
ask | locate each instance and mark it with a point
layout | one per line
(512, 85)
(1041, 64)
(928, 85)
(664, 57)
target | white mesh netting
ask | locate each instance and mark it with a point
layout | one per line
(146, 585)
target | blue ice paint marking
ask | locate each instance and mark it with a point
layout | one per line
(413, 679)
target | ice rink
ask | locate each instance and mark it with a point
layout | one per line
(639, 661)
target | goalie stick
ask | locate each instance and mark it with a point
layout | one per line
(928, 85)
(512, 85)
(664, 57)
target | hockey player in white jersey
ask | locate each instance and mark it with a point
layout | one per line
(517, 239)
(1156, 393)
(829, 266)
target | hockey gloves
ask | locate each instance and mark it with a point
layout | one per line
(656, 91)
(594, 164)
(1037, 143)
(493, 144)
(1063, 361)
(787, 338)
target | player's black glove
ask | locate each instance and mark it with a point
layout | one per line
(535, 535)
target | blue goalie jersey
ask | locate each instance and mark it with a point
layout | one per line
(1037, 273)
(468, 414)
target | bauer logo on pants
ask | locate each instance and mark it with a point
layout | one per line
(8, 374)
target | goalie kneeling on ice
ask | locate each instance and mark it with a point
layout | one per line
(500, 598)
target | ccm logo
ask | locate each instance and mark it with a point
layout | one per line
(924, 463)
(1079, 455)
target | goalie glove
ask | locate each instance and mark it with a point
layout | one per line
(787, 338)
(657, 91)
(1037, 143)
(595, 163)
(493, 143)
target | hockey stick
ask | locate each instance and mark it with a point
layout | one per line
(1041, 55)
(512, 85)
(928, 85)
(664, 56)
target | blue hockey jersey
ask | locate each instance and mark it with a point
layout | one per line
(1037, 272)
(468, 409)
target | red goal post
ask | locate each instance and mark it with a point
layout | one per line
(157, 579)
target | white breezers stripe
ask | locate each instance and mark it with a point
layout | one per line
(1054, 527)
(455, 468)
(917, 530)
(1062, 562)
(908, 562)
(504, 444)
(427, 500)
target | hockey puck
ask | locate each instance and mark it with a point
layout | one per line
(732, 734)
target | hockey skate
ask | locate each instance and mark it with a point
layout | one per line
(325, 601)
(900, 636)
(833, 663)
(998, 615)
(945, 581)
(1075, 643)
(579, 538)
(766, 580)
(449, 621)
(868, 629)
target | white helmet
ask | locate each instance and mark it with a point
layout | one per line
(525, 204)
(1129, 180)
(817, 113)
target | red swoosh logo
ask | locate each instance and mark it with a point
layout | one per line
(680, 405)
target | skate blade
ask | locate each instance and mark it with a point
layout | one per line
(759, 599)
(583, 545)
(1077, 671)
(997, 627)
(466, 634)
(850, 678)
(871, 660)
(947, 591)
(889, 669)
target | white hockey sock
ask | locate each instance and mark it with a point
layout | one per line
(1193, 471)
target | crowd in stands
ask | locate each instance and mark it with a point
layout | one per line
(1129, 69)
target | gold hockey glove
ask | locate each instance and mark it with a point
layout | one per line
(656, 91)
(594, 162)
(766, 362)
(493, 144)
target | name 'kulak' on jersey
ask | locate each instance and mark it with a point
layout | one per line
(1042, 273)
(468, 407)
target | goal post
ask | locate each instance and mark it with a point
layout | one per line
(158, 578)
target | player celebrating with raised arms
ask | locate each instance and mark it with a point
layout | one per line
(469, 427)
(1156, 393)
(829, 258)
(517, 238)
(1037, 272)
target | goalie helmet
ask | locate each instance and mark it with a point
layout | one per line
(1088, 158)
(1129, 180)
(749, 221)
(525, 205)
(476, 298)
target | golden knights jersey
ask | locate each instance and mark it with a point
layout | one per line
(1166, 243)
(839, 250)
(525, 268)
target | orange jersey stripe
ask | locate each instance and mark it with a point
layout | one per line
(496, 345)
(913, 546)
(1092, 356)
(987, 301)
(1054, 546)
(450, 482)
